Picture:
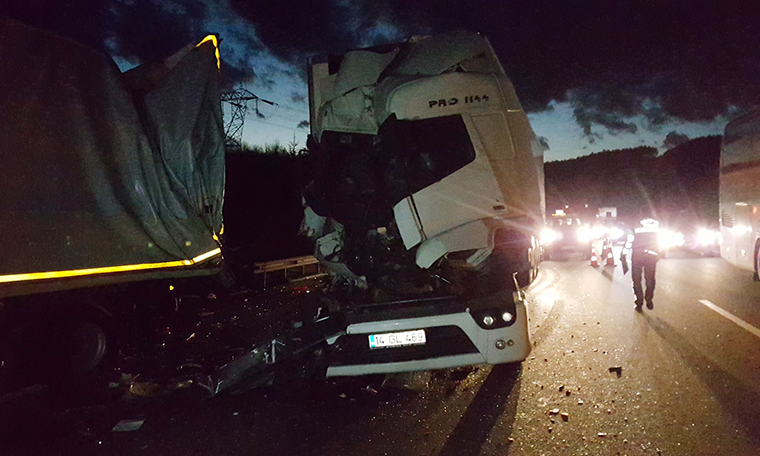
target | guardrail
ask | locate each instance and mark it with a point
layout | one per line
(287, 270)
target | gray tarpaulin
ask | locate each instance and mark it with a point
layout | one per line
(99, 168)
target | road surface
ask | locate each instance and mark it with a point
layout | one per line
(681, 379)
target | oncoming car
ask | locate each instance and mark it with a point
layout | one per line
(566, 235)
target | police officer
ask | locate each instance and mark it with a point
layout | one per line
(645, 251)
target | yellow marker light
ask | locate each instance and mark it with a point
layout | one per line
(109, 269)
(215, 41)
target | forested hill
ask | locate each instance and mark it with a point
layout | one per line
(684, 178)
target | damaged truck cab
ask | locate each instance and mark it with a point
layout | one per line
(426, 203)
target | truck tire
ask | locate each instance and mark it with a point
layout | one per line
(78, 343)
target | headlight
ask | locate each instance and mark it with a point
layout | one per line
(548, 236)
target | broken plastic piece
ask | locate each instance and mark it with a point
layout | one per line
(128, 425)
(252, 369)
(618, 370)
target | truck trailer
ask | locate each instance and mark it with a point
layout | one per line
(110, 180)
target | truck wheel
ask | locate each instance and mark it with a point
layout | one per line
(78, 346)
(87, 348)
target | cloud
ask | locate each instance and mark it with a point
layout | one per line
(674, 139)
(296, 97)
(613, 60)
(294, 30)
(86, 21)
(544, 142)
(149, 30)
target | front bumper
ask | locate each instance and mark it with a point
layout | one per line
(454, 339)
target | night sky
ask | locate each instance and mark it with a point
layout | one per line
(593, 75)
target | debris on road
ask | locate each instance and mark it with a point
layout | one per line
(127, 425)
(565, 416)
(617, 370)
(554, 411)
(150, 389)
(602, 434)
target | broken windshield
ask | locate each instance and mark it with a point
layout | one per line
(425, 151)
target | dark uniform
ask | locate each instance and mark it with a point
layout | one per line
(645, 251)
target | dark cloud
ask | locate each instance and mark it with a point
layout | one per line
(294, 30)
(544, 142)
(86, 21)
(136, 30)
(266, 79)
(233, 75)
(612, 59)
(296, 97)
(147, 30)
(303, 124)
(674, 139)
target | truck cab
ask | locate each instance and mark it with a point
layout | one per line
(428, 187)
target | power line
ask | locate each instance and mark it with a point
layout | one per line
(256, 119)
(238, 100)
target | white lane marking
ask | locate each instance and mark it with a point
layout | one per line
(731, 317)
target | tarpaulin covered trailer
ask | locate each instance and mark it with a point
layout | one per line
(106, 176)
(108, 181)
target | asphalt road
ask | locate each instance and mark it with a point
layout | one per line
(685, 380)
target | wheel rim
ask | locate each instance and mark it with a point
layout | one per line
(89, 346)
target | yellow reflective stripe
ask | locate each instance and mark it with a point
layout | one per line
(109, 269)
(214, 40)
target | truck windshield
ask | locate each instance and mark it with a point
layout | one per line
(425, 151)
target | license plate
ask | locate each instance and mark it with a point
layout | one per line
(397, 339)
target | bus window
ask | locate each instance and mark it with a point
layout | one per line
(741, 144)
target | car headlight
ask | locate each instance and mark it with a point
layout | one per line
(548, 236)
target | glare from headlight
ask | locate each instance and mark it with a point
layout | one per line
(599, 231)
(740, 230)
(616, 233)
(708, 237)
(585, 234)
(669, 239)
(548, 236)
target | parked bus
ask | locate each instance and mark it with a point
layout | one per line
(740, 193)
